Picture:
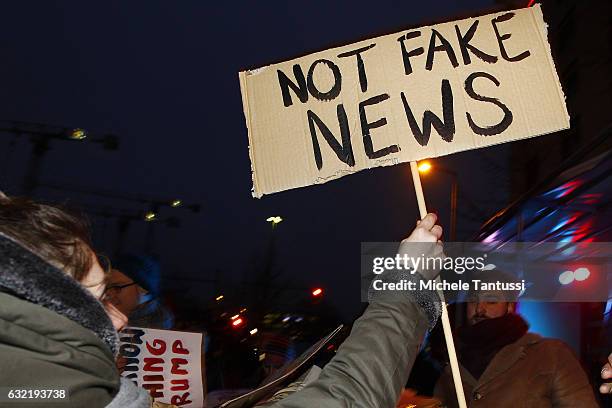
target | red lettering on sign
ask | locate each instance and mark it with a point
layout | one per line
(155, 390)
(179, 385)
(176, 363)
(151, 378)
(149, 364)
(180, 400)
(158, 348)
(178, 348)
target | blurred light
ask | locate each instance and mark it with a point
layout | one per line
(564, 189)
(234, 317)
(253, 332)
(150, 216)
(219, 298)
(491, 238)
(299, 319)
(78, 134)
(262, 356)
(286, 319)
(424, 167)
(275, 220)
(581, 274)
(563, 223)
(566, 277)
(607, 311)
(176, 203)
(237, 322)
(244, 309)
(317, 292)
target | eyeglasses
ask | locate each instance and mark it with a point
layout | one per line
(112, 291)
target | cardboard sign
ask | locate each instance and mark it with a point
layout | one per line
(416, 94)
(166, 363)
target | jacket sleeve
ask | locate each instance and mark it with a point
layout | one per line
(445, 391)
(571, 387)
(373, 364)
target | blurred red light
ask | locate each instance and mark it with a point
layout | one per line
(317, 292)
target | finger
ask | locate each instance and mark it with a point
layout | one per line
(606, 371)
(605, 388)
(436, 230)
(428, 221)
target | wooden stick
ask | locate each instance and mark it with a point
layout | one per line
(448, 335)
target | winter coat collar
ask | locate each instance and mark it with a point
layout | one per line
(29, 277)
(508, 356)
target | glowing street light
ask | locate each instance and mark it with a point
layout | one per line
(253, 332)
(424, 167)
(317, 292)
(77, 134)
(150, 216)
(275, 220)
(176, 203)
(219, 298)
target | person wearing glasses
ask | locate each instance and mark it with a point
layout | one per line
(134, 288)
(56, 329)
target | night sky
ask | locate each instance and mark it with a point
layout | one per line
(163, 76)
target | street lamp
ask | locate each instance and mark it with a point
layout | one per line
(274, 220)
(77, 134)
(425, 167)
(150, 216)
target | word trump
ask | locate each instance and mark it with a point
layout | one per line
(160, 363)
(402, 97)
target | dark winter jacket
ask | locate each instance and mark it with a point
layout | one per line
(374, 362)
(55, 335)
(532, 372)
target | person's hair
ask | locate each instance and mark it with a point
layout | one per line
(52, 232)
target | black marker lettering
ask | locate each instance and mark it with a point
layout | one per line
(363, 79)
(464, 43)
(491, 130)
(445, 128)
(501, 38)
(412, 53)
(299, 89)
(444, 46)
(344, 151)
(367, 126)
(335, 89)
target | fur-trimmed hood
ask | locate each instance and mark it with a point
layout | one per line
(29, 277)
